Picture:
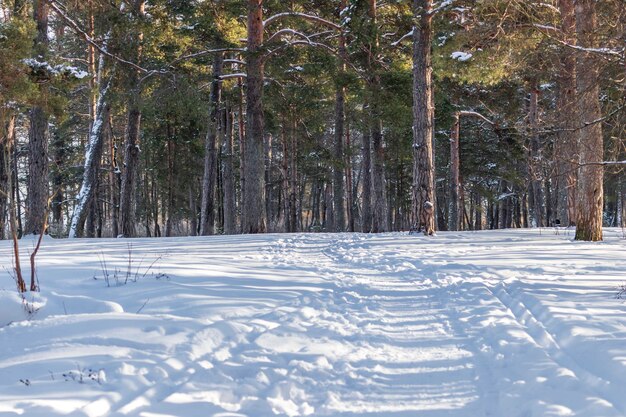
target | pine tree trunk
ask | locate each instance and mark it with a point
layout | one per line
(378, 221)
(339, 208)
(535, 159)
(130, 174)
(566, 108)
(7, 141)
(93, 155)
(114, 178)
(230, 219)
(254, 199)
(207, 217)
(423, 201)
(590, 177)
(454, 221)
(38, 135)
(366, 196)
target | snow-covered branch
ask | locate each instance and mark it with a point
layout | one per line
(476, 114)
(399, 41)
(282, 32)
(310, 17)
(229, 76)
(440, 7)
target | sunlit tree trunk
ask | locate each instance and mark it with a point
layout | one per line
(423, 201)
(253, 199)
(590, 176)
(566, 107)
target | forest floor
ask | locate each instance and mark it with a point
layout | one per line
(513, 323)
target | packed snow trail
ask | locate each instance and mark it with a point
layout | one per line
(510, 323)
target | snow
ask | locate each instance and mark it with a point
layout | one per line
(494, 323)
(461, 56)
(56, 69)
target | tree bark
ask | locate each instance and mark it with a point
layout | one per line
(207, 217)
(535, 158)
(130, 174)
(7, 141)
(590, 177)
(423, 200)
(366, 196)
(230, 218)
(254, 199)
(339, 220)
(454, 220)
(38, 168)
(93, 155)
(566, 107)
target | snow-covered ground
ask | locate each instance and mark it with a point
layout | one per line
(516, 323)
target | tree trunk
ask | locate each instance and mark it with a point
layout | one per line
(115, 179)
(254, 199)
(93, 155)
(454, 221)
(535, 159)
(423, 201)
(339, 166)
(566, 107)
(130, 174)
(38, 135)
(7, 141)
(207, 217)
(230, 219)
(590, 177)
(366, 196)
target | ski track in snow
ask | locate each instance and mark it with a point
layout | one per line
(507, 323)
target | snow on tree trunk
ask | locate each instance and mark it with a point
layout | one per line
(590, 177)
(423, 201)
(253, 199)
(207, 217)
(92, 158)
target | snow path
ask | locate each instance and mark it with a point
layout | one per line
(503, 323)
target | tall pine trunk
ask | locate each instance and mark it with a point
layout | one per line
(566, 106)
(230, 209)
(93, 155)
(535, 158)
(339, 166)
(207, 217)
(590, 177)
(379, 218)
(130, 174)
(253, 198)
(38, 135)
(423, 201)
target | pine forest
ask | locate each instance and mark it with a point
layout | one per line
(136, 118)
